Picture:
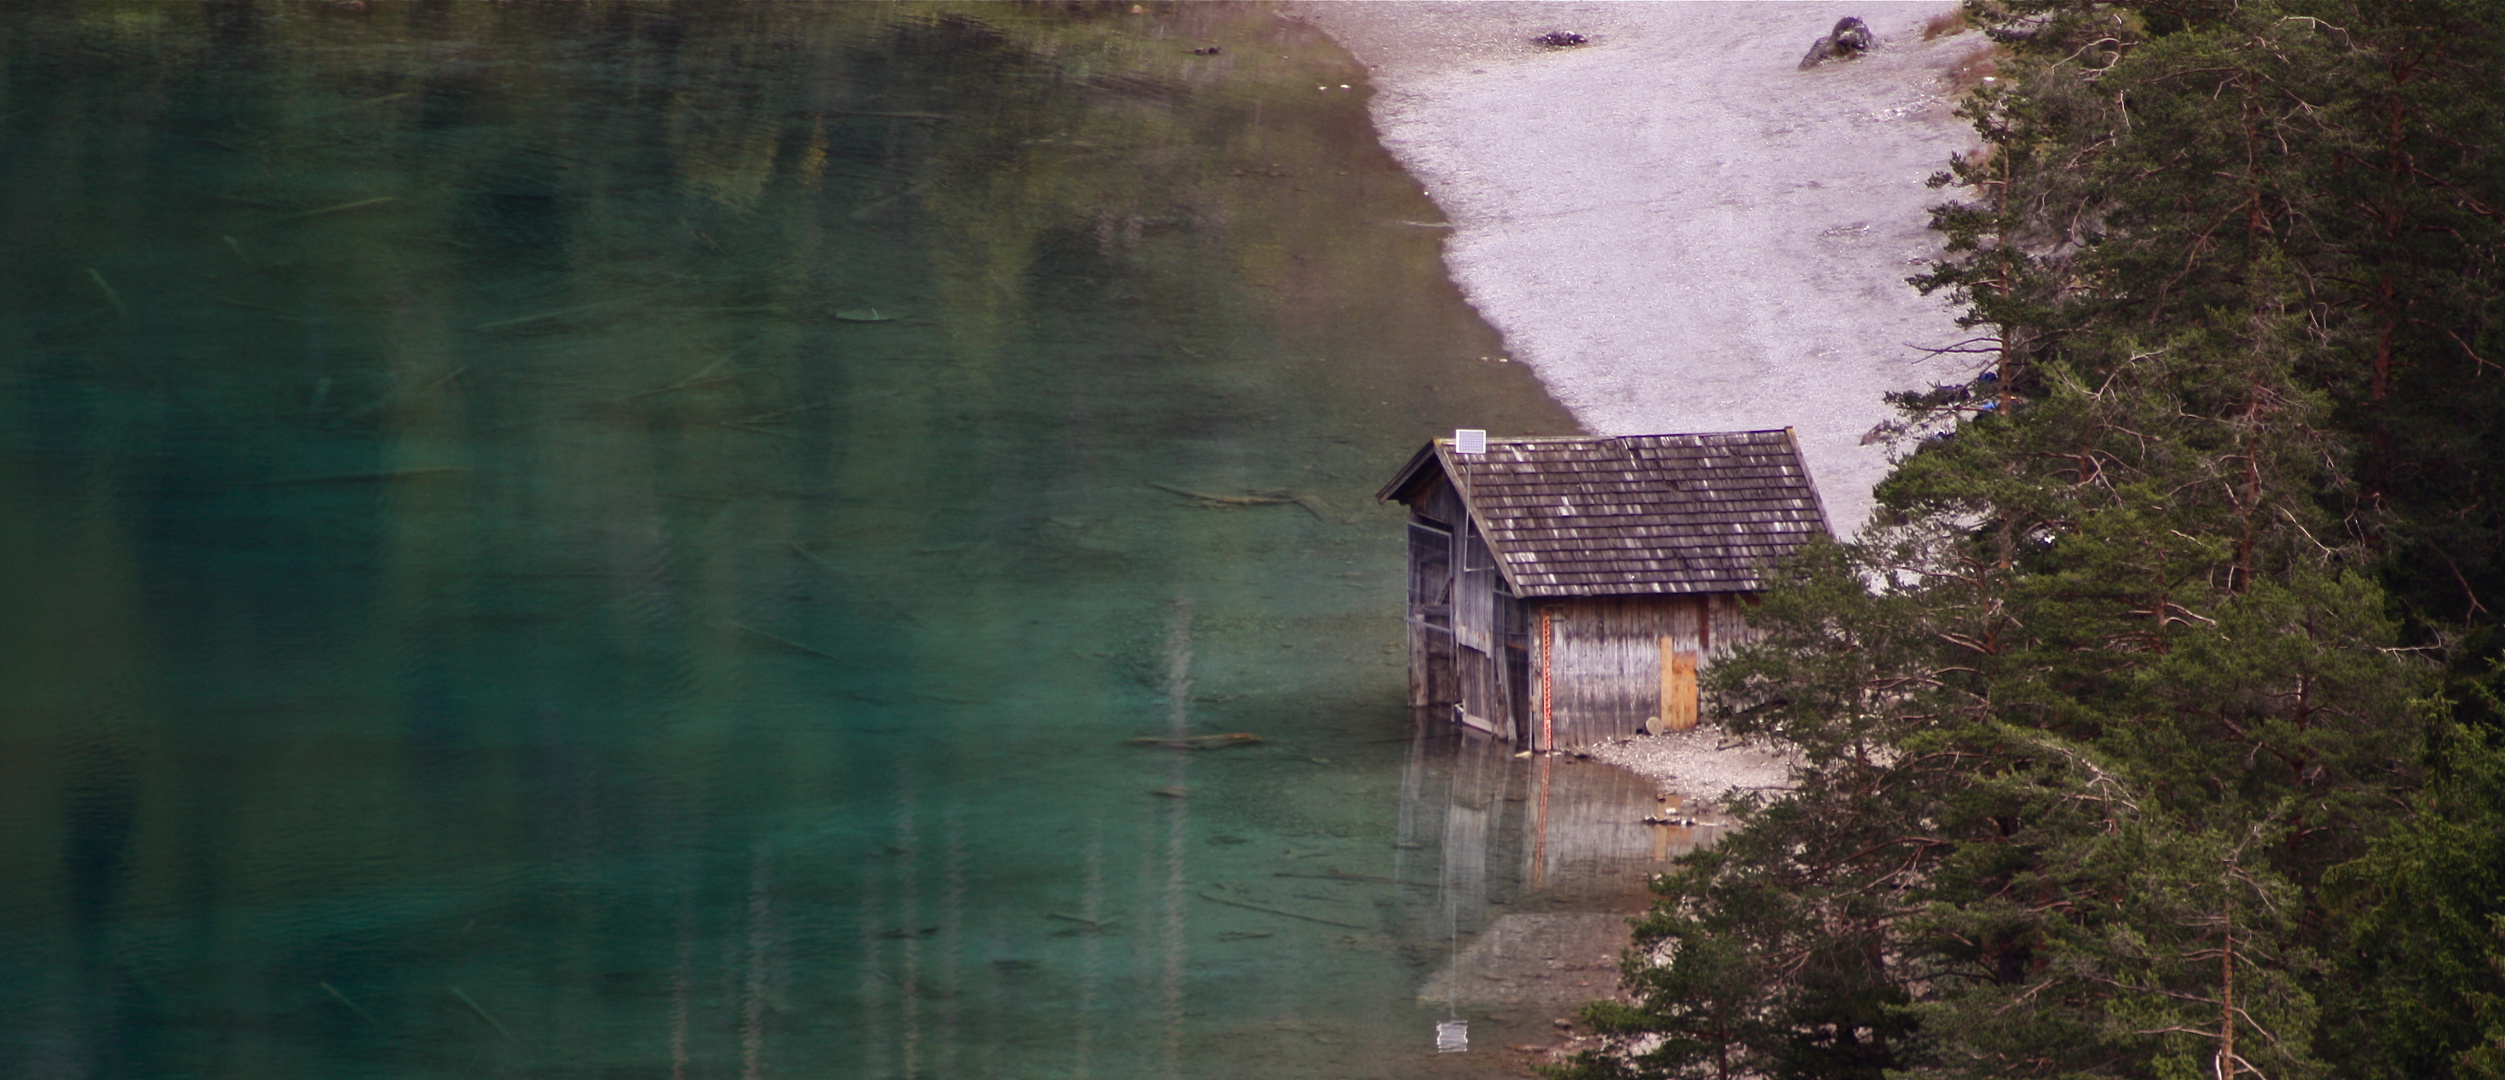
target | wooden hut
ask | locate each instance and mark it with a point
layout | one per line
(1564, 591)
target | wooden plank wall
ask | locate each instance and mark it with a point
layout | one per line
(1475, 633)
(1606, 678)
(1474, 601)
(1514, 667)
(1434, 675)
(1727, 618)
(1430, 616)
(1442, 505)
(1463, 627)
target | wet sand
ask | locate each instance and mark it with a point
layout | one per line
(1673, 225)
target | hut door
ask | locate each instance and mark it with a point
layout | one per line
(1431, 616)
(1678, 686)
(1481, 695)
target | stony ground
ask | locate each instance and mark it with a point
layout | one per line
(1706, 765)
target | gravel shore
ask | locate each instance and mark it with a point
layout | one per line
(1706, 765)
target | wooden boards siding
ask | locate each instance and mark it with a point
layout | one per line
(1609, 674)
(1480, 695)
(1563, 591)
(1727, 621)
(1430, 616)
(1474, 599)
(1474, 632)
(1441, 504)
(1608, 663)
(1468, 636)
(1436, 514)
(1518, 688)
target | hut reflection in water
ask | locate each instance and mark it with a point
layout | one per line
(1523, 847)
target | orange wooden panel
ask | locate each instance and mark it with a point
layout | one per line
(1678, 687)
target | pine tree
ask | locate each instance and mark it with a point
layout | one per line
(2108, 724)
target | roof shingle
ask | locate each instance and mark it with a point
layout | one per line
(1636, 514)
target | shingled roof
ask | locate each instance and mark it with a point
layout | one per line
(1635, 514)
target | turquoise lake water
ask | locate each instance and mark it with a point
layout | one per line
(635, 539)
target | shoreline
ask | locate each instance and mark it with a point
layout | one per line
(1677, 229)
(1704, 766)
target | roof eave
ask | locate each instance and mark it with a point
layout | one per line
(1552, 592)
(1411, 474)
(1825, 524)
(1444, 452)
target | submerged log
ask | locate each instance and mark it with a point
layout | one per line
(385, 477)
(1267, 910)
(1199, 742)
(1207, 500)
(340, 208)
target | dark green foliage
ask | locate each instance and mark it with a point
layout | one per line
(2116, 724)
(2151, 166)
(2422, 929)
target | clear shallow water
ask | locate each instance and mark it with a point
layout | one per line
(625, 540)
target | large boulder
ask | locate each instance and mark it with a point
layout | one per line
(1850, 38)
